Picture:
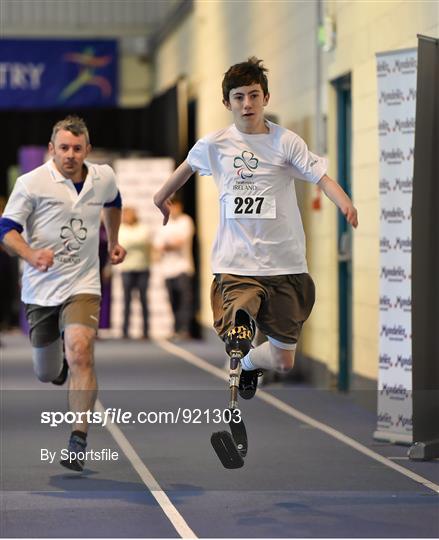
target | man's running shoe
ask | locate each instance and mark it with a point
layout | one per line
(248, 382)
(76, 458)
(61, 379)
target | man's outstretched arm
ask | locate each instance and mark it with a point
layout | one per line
(177, 179)
(334, 192)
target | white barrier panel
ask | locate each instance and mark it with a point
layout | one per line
(138, 179)
(396, 72)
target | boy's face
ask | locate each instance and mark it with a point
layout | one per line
(247, 105)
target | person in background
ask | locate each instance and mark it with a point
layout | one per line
(58, 208)
(174, 245)
(135, 237)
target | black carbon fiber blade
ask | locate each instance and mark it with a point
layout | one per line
(226, 450)
(239, 434)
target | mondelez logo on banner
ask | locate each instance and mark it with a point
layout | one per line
(55, 73)
(396, 75)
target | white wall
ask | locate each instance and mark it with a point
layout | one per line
(364, 29)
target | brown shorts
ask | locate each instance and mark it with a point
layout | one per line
(47, 323)
(278, 304)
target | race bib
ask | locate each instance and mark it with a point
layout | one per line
(251, 207)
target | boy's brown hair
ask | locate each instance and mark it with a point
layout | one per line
(244, 74)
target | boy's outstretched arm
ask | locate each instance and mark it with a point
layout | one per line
(334, 192)
(177, 179)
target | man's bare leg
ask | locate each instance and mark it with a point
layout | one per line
(79, 345)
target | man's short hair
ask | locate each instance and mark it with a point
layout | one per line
(244, 74)
(72, 123)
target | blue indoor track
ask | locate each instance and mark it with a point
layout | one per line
(312, 469)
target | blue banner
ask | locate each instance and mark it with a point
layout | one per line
(42, 74)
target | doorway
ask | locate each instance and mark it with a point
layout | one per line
(344, 235)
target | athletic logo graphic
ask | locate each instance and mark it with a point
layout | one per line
(73, 234)
(88, 63)
(245, 163)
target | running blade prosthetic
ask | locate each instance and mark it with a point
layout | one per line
(231, 448)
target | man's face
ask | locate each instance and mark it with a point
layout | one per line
(69, 152)
(247, 105)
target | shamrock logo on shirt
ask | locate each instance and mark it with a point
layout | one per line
(245, 163)
(73, 234)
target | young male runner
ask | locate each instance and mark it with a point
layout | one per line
(258, 256)
(58, 206)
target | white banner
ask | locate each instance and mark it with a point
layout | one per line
(138, 179)
(396, 72)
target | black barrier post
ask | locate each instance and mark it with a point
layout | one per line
(425, 256)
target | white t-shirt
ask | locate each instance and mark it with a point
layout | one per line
(260, 230)
(178, 260)
(54, 216)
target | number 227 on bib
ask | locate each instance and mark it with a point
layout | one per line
(250, 207)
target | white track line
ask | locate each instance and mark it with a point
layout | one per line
(148, 479)
(291, 411)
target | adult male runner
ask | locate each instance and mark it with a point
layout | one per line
(58, 206)
(258, 257)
